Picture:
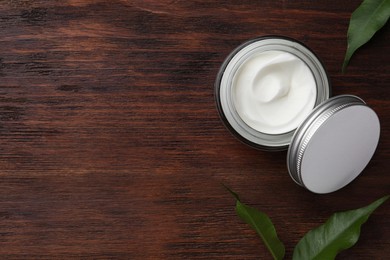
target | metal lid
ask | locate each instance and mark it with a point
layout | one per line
(334, 144)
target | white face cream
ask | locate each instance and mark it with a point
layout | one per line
(274, 91)
(266, 88)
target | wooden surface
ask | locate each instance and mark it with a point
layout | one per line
(111, 146)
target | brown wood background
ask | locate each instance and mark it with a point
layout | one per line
(111, 146)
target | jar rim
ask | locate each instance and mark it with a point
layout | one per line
(223, 85)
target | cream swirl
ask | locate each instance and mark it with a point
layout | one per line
(273, 92)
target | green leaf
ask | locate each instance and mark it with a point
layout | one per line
(365, 21)
(262, 224)
(340, 232)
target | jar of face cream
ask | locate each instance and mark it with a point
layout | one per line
(272, 93)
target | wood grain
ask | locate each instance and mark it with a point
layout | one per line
(111, 146)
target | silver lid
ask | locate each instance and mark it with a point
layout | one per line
(334, 144)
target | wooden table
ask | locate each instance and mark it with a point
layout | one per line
(111, 146)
